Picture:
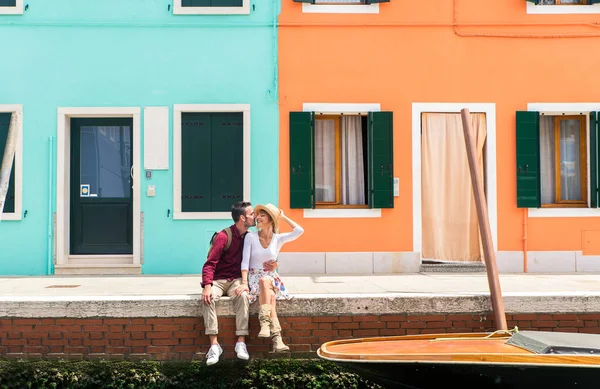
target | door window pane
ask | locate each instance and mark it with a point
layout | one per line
(106, 161)
(570, 160)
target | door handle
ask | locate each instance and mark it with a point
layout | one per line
(131, 172)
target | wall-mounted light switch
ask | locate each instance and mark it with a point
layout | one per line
(151, 192)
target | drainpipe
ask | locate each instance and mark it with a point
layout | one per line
(50, 191)
(272, 94)
(8, 159)
(525, 218)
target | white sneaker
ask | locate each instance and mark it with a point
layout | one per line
(212, 356)
(242, 352)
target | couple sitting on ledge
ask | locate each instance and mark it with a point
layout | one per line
(242, 265)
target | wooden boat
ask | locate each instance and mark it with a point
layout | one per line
(501, 359)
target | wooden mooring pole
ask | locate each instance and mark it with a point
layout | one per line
(7, 160)
(484, 223)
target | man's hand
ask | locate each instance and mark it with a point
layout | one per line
(207, 295)
(270, 265)
(241, 289)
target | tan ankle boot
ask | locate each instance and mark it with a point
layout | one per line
(278, 345)
(264, 317)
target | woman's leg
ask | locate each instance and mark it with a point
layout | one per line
(266, 289)
(264, 314)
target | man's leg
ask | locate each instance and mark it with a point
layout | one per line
(241, 305)
(209, 312)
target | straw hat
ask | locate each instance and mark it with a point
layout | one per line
(272, 211)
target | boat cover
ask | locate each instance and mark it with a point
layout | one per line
(542, 342)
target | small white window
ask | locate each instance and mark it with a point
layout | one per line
(13, 202)
(563, 6)
(11, 7)
(211, 142)
(341, 6)
(211, 7)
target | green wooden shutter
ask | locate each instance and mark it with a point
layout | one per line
(305, 1)
(9, 204)
(376, 1)
(528, 160)
(226, 3)
(8, 3)
(302, 160)
(196, 162)
(195, 3)
(381, 159)
(227, 183)
(594, 159)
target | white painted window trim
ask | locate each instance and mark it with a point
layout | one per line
(562, 9)
(178, 109)
(340, 9)
(490, 169)
(336, 108)
(16, 10)
(574, 109)
(341, 213)
(178, 9)
(63, 172)
(18, 213)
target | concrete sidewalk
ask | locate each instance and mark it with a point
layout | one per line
(179, 296)
(28, 288)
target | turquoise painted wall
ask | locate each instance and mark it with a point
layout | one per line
(67, 53)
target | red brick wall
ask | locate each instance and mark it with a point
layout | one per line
(184, 339)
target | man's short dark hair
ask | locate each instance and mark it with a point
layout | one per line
(239, 209)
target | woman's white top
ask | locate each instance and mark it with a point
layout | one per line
(254, 254)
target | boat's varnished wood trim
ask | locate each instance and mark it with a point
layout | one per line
(449, 348)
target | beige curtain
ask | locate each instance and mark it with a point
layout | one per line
(325, 160)
(450, 229)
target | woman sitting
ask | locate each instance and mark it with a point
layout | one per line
(260, 250)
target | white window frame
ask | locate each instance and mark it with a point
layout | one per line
(16, 10)
(562, 9)
(340, 9)
(178, 110)
(333, 213)
(489, 109)
(18, 213)
(573, 109)
(63, 179)
(178, 9)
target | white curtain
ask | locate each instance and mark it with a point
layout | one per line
(570, 160)
(325, 161)
(353, 169)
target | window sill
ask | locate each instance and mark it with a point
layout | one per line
(564, 212)
(340, 9)
(562, 9)
(201, 215)
(11, 216)
(14, 10)
(341, 213)
(243, 10)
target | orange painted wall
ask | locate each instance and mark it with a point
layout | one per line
(410, 52)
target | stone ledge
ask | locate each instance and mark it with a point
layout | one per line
(300, 305)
